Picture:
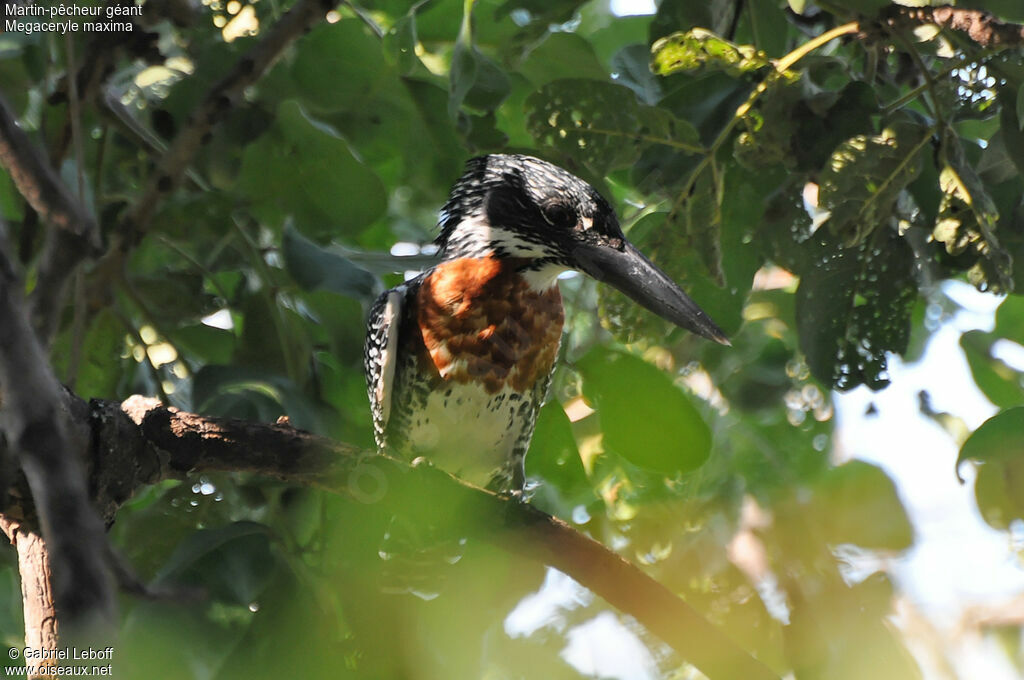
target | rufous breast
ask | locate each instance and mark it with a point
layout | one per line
(481, 321)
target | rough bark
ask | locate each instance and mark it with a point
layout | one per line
(36, 592)
(980, 26)
(47, 444)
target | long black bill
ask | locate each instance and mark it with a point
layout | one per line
(636, 276)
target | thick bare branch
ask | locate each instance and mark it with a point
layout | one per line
(167, 443)
(980, 26)
(40, 433)
(224, 94)
(36, 591)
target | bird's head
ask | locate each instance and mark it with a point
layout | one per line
(523, 208)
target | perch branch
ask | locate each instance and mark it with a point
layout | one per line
(980, 26)
(143, 442)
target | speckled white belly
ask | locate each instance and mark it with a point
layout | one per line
(466, 431)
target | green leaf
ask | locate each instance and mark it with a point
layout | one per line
(998, 447)
(562, 55)
(1010, 319)
(400, 45)
(554, 458)
(857, 503)
(462, 72)
(853, 307)
(303, 168)
(175, 295)
(11, 204)
(627, 30)
(682, 15)
(490, 85)
(315, 268)
(864, 177)
(99, 365)
(849, 115)
(205, 343)
(701, 219)
(700, 50)
(601, 124)
(231, 564)
(254, 393)
(1001, 437)
(593, 121)
(339, 66)
(967, 221)
(633, 67)
(769, 27)
(645, 417)
(999, 382)
(999, 493)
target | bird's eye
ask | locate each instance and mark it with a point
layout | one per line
(559, 215)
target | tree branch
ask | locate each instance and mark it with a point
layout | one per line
(76, 235)
(224, 94)
(980, 26)
(141, 442)
(46, 442)
(38, 182)
(36, 591)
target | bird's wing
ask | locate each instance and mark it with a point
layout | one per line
(380, 355)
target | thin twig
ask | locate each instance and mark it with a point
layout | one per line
(38, 183)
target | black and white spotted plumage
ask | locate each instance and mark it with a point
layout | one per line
(458, 360)
(380, 356)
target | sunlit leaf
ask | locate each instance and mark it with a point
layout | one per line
(968, 219)
(601, 123)
(998, 448)
(1000, 383)
(555, 460)
(857, 503)
(862, 181)
(588, 119)
(1001, 437)
(699, 49)
(645, 417)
